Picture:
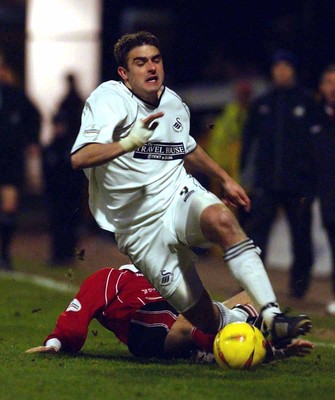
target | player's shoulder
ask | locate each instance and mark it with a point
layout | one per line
(112, 95)
(113, 274)
(109, 88)
(172, 96)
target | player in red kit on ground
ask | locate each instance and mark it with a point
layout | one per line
(125, 303)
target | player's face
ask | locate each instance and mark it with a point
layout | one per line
(327, 87)
(145, 72)
(283, 74)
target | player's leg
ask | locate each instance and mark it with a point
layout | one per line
(204, 314)
(330, 230)
(257, 223)
(299, 214)
(182, 333)
(240, 253)
(245, 264)
(149, 328)
(197, 306)
(158, 330)
(169, 266)
(201, 217)
(9, 199)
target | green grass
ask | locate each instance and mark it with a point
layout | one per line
(104, 369)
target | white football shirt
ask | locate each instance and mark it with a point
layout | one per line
(134, 189)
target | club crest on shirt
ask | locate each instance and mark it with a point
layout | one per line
(178, 126)
(74, 306)
(166, 277)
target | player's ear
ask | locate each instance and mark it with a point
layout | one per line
(123, 73)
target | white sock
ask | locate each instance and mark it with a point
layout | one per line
(238, 315)
(225, 314)
(246, 266)
(228, 315)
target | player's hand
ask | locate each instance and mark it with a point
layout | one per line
(43, 349)
(296, 348)
(235, 195)
(141, 132)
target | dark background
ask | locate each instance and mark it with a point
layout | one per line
(204, 41)
(217, 40)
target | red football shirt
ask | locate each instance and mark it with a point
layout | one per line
(110, 295)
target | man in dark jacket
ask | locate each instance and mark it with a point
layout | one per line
(324, 142)
(277, 159)
(64, 191)
(19, 128)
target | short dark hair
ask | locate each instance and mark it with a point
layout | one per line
(329, 69)
(131, 40)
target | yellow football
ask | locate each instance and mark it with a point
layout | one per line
(239, 346)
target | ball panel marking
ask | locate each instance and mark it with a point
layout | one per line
(239, 346)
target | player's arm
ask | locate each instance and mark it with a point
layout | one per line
(95, 154)
(296, 348)
(71, 329)
(183, 335)
(44, 349)
(234, 193)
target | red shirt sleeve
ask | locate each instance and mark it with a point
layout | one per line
(72, 324)
(111, 296)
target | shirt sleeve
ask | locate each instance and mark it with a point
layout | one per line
(191, 143)
(72, 324)
(104, 120)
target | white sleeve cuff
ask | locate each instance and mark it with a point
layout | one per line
(54, 343)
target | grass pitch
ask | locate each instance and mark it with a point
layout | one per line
(104, 369)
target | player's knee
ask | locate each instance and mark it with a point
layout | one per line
(220, 225)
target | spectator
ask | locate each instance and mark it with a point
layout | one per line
(64, 189)
(224, 141)
(72, 105)
(324, 142)
(277, 153)
(19, 132)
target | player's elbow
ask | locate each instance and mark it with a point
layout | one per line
(77, 161)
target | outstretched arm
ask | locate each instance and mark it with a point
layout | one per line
(94, 154)
(71, 328)
(234, 194)
(43, 349)
(296, 348)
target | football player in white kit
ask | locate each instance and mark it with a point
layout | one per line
(133, 143)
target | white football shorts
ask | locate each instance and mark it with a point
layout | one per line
(162, 250)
